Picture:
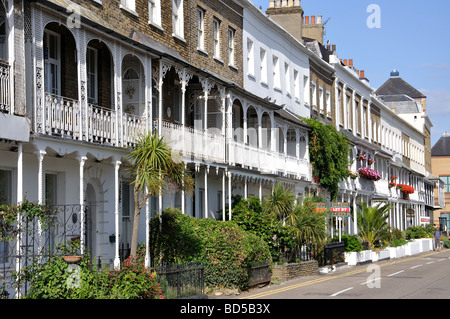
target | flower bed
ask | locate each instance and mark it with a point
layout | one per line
(369, 174)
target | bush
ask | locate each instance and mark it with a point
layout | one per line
(226, 250)
(414, 232)
(248, 214)
(352, 242)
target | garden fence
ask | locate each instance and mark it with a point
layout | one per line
(35, 243)
(181, 280)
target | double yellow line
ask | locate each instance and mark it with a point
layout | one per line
(319, 280)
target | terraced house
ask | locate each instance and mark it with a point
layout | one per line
(222, 81)
(388, 127)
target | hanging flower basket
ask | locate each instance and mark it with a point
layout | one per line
(369, 174)
(361, 157)
(371, 161)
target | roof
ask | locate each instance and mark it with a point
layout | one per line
(395, 85)
(442, 146)
(401, 103)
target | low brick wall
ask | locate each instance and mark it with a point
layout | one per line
(291, 271)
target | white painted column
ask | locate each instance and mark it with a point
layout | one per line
(116, 213)
(147, 233)
(82, 160)
(260, 190)
(245, 187)
(19, 201)
(355, 216)
(206, 191)
(40, 155)
(223, 195)
(229, 195)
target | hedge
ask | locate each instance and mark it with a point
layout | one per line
(226, 250)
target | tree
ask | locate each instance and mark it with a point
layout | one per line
(154, 170)
(372, 222)
(310, 226)
(280, 203)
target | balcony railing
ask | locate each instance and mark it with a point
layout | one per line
(268, 161)
(190, 141)
(5, 90)
(66, 118)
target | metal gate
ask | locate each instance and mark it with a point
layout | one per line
(32, 242)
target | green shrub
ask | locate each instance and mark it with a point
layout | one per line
(414, 232)
(447, 243)
(352, 242)
(248, 214)
(225, 249)
(55, 279)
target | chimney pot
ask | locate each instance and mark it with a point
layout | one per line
(362, 74)
(313, 19)
(307, 20)
(350, 62)
(334, 47)
(345, 62)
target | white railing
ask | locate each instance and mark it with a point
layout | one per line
(66, 118)
(268, 161)
(101, 125)
(5, 92)
(62, 116)
(195, 142)
(132, 127)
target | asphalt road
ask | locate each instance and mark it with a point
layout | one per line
(423, 276)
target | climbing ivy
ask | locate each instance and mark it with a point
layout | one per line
(10, 213)
(329, 155)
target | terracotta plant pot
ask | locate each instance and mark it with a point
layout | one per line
(72, 259)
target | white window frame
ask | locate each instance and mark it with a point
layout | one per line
(201, 29)
(328, 102)
(216, 38)
(263, 65)
(178, 19)
(56, 62)
(306, 93)
(296, 85)
(250, 58)
(129, 5)
(287, 78)
(231, 34)
(92, 96)
(154, 12)
(276, 72)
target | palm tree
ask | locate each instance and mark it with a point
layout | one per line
(310, 225)
(280, 203)
(154, 170)
(372, 222)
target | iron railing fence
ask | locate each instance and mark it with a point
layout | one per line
(30, 242)
(181, 280)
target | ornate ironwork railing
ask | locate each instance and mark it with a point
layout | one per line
(5, 90)
(34, 242)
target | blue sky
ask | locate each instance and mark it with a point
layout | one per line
(413, 37)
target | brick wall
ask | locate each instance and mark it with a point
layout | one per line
(291, 271)
(230, 15)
